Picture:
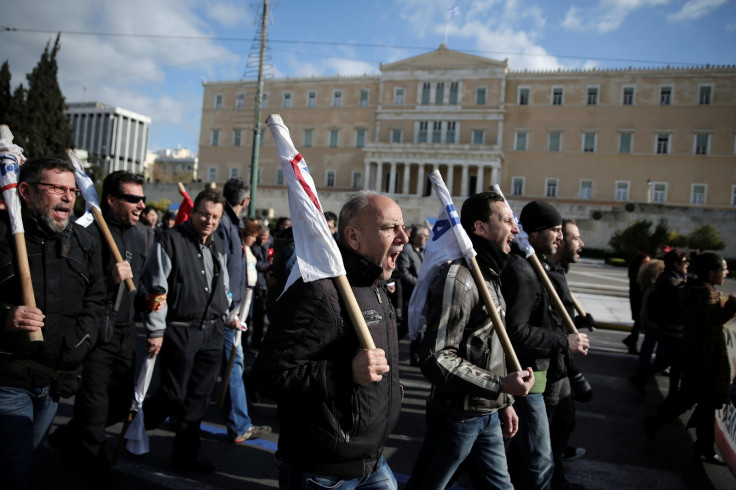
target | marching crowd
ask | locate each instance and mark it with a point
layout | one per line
(503, 397)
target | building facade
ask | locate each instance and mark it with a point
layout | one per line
(591, 140)
(114, 137)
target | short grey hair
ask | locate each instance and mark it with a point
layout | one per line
(236, 189)
(354, 206)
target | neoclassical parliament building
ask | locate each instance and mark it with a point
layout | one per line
(607, 146)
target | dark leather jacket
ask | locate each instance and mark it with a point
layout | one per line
(330, 425)
(461, 353)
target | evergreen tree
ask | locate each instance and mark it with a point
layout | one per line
(6, 96)
(48, 132)
(16, 120)
(705, 237)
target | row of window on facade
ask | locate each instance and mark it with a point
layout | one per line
(656, 191)
(628, 95)
(435, 93)
(330, 179)
(662, 142)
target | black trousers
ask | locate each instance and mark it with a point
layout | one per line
(561, 415)
(190, 359)
(106, 393)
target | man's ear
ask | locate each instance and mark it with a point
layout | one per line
(24, 189)
(478, 226)
(352, 237)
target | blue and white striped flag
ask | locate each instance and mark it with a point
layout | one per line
(447, 241)
(86, 186)
(453, 12)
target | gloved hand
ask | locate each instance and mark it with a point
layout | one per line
(581, 390)
(586, 321)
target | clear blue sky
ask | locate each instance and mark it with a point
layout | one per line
(150, 56)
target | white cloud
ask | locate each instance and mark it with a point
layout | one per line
(606, 16)
(694, 9)
(229, 14)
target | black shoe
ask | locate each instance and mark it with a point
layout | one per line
(631, 345)
(571, 453)
(711, 457)
(639, 382)
(197, 463)
(652, 424)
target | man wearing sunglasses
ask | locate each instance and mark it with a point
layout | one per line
(69, 291)
(107, 387)
(188, 262)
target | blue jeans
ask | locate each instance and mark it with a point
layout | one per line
(25, 418)
(529, 452)
(291, 478)
(236, 405)
(453, 439)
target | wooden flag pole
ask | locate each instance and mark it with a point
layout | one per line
(24, 269)
(580, 310)
(495, 317)
(554, 297)
(110, 242)
(356, 317)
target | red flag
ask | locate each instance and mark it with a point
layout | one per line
(185, 210)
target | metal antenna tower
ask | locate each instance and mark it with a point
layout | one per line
(257, 66)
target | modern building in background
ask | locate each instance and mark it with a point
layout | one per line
(595, 142)
(114, 137)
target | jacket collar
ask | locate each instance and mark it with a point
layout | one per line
(360, 272)
(489, 255)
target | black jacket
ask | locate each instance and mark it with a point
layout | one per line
(132, 247)
(176, 263)
(529, 315)
(68, 286)
(329, 425)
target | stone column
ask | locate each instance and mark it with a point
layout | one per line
(392, 179)
(366, 175)
(494, 175)
(379, 177)
(480, 185)
(464, 181)
(405, 182)
(420, 180)
(450, 177)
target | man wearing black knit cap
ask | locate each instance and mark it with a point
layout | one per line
(531, 329)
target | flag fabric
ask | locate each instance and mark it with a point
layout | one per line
(448, 241)
(185, 210)
(453, 12)
(11, 158)
(317, 255)
(136, 434)
(522, 239)
(86, 186)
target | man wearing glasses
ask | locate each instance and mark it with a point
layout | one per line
(107, 387)
(189, 266)
(69, 292)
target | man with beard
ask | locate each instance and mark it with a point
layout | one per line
(337, 402)
(560, 396)
(469, 412)
(69, 289)
(535, 340)
(188, 263)
(107, 387)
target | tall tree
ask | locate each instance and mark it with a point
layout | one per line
(6, 96)
(48, 132)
